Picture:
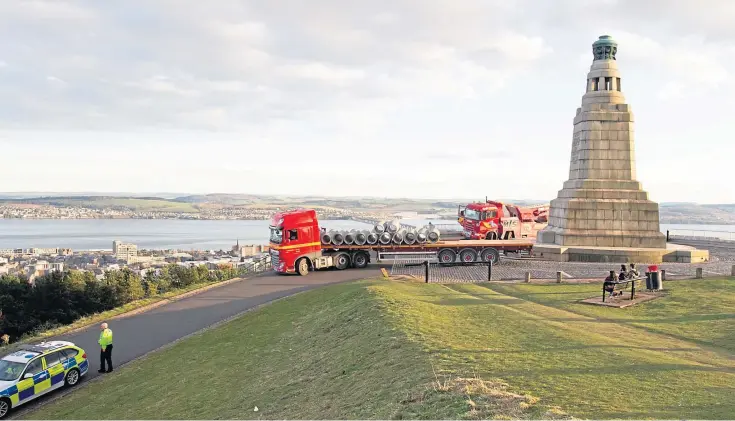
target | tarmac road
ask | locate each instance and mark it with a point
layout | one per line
(139, 334)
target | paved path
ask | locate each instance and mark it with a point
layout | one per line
(139, 334)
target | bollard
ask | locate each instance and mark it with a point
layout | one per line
(732, 272)
(699, 273)
(426, 270)
(528, 276)
(663, 274)
(558, 277)
(490, 270)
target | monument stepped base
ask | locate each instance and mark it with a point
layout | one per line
(672, 254)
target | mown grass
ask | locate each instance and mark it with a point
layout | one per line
(589, 366)
(370, 350)
(698, 311)
(327, 354)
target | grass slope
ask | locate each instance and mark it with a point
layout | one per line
(369, 350)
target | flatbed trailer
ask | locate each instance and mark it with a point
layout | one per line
(296, 247)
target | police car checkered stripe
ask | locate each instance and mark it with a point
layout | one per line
(16, 396)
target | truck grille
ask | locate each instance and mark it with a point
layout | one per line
(274, 259)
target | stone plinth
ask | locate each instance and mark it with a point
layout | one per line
(602, 204)
(671, 254)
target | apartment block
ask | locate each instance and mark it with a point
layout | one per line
(124, 251)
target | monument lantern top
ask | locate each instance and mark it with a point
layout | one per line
(605, 48)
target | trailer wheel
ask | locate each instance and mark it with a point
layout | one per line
(446, 256)
(360, 260)
(490, 254)
(342, 261)
(468, 255)
(302, 267)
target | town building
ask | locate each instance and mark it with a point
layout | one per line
(124, 251)
(249, 249)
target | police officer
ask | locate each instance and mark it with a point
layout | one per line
(105, 342)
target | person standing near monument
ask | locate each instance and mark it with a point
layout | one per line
(105, 342)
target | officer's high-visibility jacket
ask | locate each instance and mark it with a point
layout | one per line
(105, 338)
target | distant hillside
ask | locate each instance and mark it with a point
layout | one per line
(692, 213)
(671, 213)
(136, 204)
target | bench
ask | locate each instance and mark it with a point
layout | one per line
(621, 285)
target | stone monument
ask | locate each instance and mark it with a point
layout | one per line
(602, 210)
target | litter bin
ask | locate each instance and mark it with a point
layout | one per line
(656, 280)
(648, 281)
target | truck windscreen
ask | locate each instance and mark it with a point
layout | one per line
(276, 235)
(472, 214)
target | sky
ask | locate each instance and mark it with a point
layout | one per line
(408, 98)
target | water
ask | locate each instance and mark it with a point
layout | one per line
(95, 234)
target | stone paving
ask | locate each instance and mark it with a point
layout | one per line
(722, 260)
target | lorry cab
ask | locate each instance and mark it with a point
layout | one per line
(293, 235)
(493, 220)
(480, 221)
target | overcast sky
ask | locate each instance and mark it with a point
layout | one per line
(408, 98)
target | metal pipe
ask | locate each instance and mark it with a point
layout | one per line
(421, 235)
(433, 234)
(361, 237)
(410, 236)
(338, 238)
(379, 227)
(350, 237)
(372, 238)
(398, 237)
(385, 238)
(327, 237)
(393, 226)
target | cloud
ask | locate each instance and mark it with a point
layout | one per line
(492, 82)
(687, 65)
(152, 64)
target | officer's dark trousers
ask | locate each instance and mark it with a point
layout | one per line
(106, 356)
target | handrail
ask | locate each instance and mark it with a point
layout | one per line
(691, 234)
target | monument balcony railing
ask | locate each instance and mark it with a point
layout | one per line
(700, 235)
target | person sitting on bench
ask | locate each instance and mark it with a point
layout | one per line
(633, 272)
(623, 273)
(609, 284)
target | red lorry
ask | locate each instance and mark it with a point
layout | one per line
(497, 220)
(296, 247)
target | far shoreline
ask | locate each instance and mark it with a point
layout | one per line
(663, 222)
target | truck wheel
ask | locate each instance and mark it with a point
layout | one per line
(446, 256)
(342, 261)
(468, 256)
(303, 266)
(489, 254)
(360, 260)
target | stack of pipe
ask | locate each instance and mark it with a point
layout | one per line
(384, 233)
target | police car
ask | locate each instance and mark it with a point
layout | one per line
(37, 369)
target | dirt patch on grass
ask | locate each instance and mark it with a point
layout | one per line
(472, 398)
